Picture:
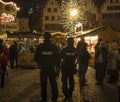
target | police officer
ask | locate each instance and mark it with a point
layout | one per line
(68, 68)
(46, 56)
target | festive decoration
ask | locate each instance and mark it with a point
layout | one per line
(73, 14)
(8, 11)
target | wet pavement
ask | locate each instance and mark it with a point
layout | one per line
(23, 85)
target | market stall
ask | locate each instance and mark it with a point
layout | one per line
(107, 33)
(28, 43)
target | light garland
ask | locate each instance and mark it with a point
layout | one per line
(8, 11)
(10, 3)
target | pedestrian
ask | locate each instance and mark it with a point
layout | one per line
(68, 68)
(83, 60)
(112, 62)
(81, 42)
(13, 55)
(100, 66)
(47, 56)
(98, 44)
(3, 62)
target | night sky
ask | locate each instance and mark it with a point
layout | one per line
(25, 5)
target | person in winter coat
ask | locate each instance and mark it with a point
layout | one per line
(83, 60)
(101, 66)
(68, 68)
(3, 62)
(13, 55)
(112, 62)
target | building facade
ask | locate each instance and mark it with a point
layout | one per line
(18, 25)
(111, 13)
(51, 16)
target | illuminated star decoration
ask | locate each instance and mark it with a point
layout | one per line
(72, 13)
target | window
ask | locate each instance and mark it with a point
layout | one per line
(46, 18)
(47, 26)
(104, 16)
(117, 15)
(55, 9)
(110, 15)
(113, 1)
(49, 9)
(53, 18)
(113, 7)
(52, 3)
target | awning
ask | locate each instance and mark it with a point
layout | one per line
(104, 32)
(23, 35)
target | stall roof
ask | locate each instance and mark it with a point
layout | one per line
(105, 32)
(23, 35)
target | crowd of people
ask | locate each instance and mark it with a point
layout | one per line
(53, 60)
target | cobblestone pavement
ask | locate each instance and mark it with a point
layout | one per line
(22, 85)
(93, 93)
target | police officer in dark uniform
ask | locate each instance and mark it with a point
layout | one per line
(68, 68)
(47, 56)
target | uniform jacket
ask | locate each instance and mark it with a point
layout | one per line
(68, 56)
(47, 55)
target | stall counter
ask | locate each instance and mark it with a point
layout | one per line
(26, 59)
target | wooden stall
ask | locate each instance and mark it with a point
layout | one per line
(107, 33)
(26, 39)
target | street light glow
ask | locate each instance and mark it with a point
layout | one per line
(73, 12)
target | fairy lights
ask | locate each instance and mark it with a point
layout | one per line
(8, 11)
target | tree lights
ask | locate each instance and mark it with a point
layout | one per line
(73, 13)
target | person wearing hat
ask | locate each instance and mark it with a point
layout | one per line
(3, 62)
(47, 56)
(68, 68)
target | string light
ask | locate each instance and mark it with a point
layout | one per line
(8, 11)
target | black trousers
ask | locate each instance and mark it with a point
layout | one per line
(3, 71)
(113, 76)
(13, 62)
(67, 84)
(48, 73)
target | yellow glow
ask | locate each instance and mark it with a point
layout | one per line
(73, 12)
